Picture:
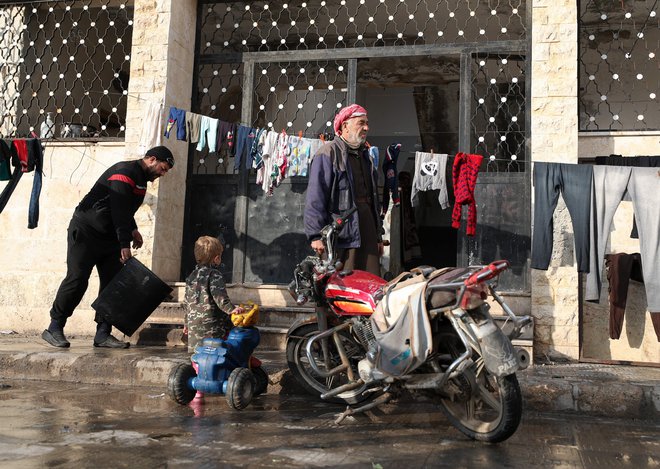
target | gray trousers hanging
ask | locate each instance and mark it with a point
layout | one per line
(574, 183)
(609, 188)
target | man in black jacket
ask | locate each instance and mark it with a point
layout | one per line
(100, 235)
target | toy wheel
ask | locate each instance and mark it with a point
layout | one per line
(240, 388)
(261, 378)
(177, 383)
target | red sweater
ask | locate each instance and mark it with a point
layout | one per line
(464, 177)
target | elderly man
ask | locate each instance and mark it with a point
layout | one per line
(342, 176)
(100, 235)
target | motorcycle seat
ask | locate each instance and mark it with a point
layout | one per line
(439, 298)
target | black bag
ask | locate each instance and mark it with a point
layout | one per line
(131, 296)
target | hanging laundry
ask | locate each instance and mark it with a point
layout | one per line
(152, 122)
(193, 126)
(621, 268)
(208, 133)
(636, 161)
(299, 149)
(391, 177)
(374, 154)
(430, 174)
(244, 138)
(314, 147)
(177, 117)
(464, 177)
(257, 148)
(226, 133)
(610, 183)
(5, 162)
(268, 157)
(26, 156)
(573, 181)
(282, 159)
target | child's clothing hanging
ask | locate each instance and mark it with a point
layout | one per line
(177, 117)
(208, 133)
(193, 126)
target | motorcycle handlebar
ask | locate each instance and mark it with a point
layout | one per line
(490, 271)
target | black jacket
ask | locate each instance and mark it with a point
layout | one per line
(110, 205)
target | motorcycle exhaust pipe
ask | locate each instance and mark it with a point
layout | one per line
(523, 358)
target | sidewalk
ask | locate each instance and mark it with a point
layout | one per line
(603, 390)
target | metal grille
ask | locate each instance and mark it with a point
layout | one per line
(498, 111)
(279, 26)
(68, 61)
(219, 95)
(618, 65)
(299, 96)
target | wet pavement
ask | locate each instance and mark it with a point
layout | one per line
(57, 424)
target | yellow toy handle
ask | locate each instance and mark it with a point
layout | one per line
(249, 317)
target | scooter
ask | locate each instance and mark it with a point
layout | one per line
(222, 366)
(428, 332)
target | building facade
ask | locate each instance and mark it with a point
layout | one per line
(518, 83)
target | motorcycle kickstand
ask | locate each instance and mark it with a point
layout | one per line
(375, 403)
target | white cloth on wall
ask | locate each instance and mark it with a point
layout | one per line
(152, 122)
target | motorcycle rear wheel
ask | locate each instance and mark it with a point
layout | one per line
(314, 384)
(491, 408)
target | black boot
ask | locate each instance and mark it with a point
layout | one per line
(55, 338)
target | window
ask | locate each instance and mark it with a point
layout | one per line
(618, 69)
(68, 62)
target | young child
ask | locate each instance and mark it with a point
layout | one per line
(208, 308)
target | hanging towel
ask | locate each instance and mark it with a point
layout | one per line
(152, 122)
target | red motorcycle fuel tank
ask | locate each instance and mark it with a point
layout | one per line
(352, 293)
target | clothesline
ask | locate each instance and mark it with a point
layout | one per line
(489, 159)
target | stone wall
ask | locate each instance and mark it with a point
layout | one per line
(554, 130)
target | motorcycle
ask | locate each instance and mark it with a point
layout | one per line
(428, 332)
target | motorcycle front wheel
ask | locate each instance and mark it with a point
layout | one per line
(296, 356)
(483, 406)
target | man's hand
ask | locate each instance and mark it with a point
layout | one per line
(238, 310)
(381, 249)
(317, 246)
(137, 239)
(126, 254)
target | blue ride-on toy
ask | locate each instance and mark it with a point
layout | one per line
(224, 366)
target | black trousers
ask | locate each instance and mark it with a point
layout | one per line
(84, 252)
